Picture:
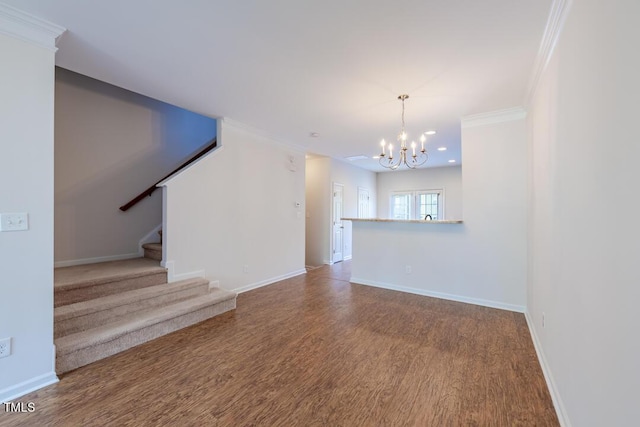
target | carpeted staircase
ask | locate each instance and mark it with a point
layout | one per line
(105, 308)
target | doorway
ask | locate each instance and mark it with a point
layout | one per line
(363, 203)
(337, 254)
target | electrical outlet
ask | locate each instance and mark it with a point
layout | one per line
(407, 269)
(5, 347)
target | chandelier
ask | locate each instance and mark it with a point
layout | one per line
(411, 160)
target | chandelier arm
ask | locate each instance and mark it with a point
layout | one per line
(421, 159)
(390, 163)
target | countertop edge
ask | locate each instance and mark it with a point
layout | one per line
(404, 221)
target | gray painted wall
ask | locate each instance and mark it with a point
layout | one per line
(110, 145)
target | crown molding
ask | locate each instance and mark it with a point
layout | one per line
(31, 29)
(555, 22)
(493, 117)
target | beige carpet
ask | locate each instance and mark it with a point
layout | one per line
(105, 308)
(104, 271)
(84, 282)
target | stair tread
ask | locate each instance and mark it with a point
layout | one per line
(105, 272)
(110, 301)
(153, 246)
(136, 321)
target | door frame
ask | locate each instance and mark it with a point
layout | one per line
(360, 191)
(332, 257)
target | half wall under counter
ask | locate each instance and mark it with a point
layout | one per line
(443, 259)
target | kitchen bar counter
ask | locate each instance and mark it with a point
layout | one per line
(407, 221)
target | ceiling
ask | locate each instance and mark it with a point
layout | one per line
(289, 67)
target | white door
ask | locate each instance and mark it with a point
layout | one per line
(363, 203)
(338, 227)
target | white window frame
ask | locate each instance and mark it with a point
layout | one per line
(410, 208)
(414, 207)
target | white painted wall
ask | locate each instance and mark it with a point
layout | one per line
(321, 174)
(448, 178)
(318, 210)
(232, 216)
(584, 236)
(481, 261)
(26, 174)
(112, 144)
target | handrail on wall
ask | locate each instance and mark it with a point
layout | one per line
(153, 188)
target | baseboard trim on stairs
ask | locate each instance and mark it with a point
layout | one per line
(25, 387)
(172, 277)
(269, 281)
(82, 261)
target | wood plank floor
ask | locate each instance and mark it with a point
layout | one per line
(315, 350)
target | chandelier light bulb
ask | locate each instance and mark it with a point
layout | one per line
(383, 144)
(413, 146)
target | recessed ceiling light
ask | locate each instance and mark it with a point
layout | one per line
(430, 132)
(314, 134)
(452, 161)
(354, 158)
(375, 157)
(442, 148)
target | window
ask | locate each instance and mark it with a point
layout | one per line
(417, 204)
(401, 205)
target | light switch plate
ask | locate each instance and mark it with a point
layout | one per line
(14, 221)
(5, 347)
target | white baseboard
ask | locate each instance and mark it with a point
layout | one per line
(331, 262)
(269, 281)
(551, 385)
(190, 275)
(173, 277)
(83, 261)
(441, 295)
(18, 390)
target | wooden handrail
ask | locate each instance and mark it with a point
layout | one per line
(153, 188)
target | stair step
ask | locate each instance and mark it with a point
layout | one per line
(153, 251)
(80, 316)
(88, 281)
(82, 348)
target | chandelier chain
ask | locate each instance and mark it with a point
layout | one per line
(403, 115)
